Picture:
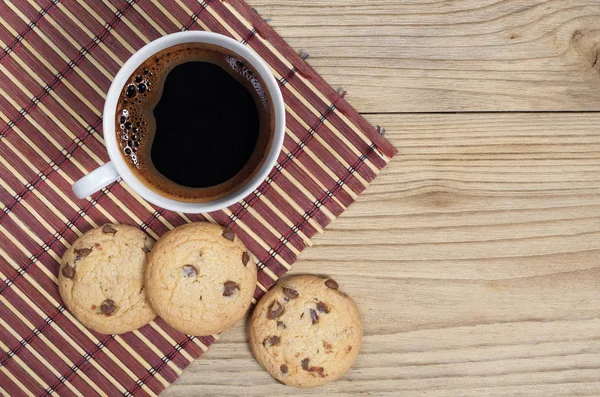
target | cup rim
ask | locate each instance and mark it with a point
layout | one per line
(146, 52)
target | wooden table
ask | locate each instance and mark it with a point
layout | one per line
(475, 256)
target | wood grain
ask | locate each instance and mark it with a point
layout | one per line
(474, 259)
(463, 55)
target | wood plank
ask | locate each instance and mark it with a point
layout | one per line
(426, 56)
(473, 259)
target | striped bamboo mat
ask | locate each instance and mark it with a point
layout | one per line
(58, 60)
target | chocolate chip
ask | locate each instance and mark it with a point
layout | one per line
(272, 341)
(82, 253)
(108, 307)
(108, 229)
(229, 288)
(245, 258)
(281, 324)
(290, 292)
(322, 307)
(332, 284)
(228, 234)
(189, 271)
(275, 310)
(68, 271)
(318, 370)
(283, 368)
(306, 367)
(313, 316)
(305, 363)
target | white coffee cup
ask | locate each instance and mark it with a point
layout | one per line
(117, 167)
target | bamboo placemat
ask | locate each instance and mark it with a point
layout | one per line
(58, 60)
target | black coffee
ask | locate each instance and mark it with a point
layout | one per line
(194, 122)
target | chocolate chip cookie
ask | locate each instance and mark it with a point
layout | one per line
(101, 279)
(305, 332)
(200, 278)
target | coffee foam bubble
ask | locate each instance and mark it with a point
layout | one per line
(249, 75)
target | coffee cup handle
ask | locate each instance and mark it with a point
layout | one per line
(95, 180)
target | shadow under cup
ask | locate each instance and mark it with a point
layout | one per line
(195, 122)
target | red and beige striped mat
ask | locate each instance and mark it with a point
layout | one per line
(58, 59)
